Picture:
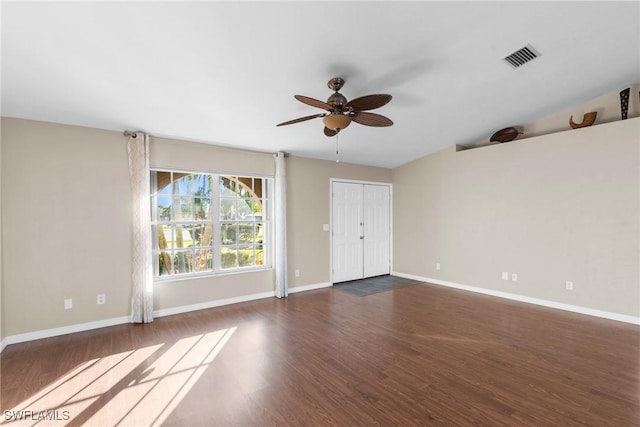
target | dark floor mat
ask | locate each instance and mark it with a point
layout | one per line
(373, 285)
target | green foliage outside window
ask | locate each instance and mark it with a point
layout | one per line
(187, 223)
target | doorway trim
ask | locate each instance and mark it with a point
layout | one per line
(354, 181)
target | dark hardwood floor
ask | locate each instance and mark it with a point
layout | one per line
(416, 355)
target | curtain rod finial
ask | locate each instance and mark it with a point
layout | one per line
(132, 133)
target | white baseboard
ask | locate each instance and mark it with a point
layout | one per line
(309, 287)
(546, 303)
(47, 333)
(211, 304)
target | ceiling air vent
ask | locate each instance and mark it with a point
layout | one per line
(522, 56)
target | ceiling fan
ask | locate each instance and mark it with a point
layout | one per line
(341, 113)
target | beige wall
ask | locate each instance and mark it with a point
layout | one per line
(554, 208)
(67, 222)
(558, 207)
(2, 333)
(171, 153)
(66, 225)
(308, 208)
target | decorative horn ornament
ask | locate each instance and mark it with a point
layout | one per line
(587, 120)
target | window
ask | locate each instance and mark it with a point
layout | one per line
(208, 223)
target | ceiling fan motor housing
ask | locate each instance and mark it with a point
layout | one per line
(337, 100)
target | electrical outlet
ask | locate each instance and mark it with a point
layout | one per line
(569, 285)
(102, 299)
(437, 266)
(68, 304)
(514, 277)
(505, 275)
(325, 227)
(297, 273)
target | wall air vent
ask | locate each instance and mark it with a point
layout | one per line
(522, 56)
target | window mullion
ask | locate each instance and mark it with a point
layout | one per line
(215, 218)
(153, 200)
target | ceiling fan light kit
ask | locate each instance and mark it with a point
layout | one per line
(336, 122)
(340, 112)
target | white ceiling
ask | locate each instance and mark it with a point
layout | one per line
(225, 72)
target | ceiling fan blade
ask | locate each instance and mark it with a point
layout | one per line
(368, 102)
(301, 119)
(313, 102)
(330, 132)
(371, 119)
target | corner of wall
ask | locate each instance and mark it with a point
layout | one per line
(3, 342)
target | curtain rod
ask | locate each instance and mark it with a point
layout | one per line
(134, 135)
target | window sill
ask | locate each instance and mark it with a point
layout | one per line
(163, 279)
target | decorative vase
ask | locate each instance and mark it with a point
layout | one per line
(505, 135)
(624, 103)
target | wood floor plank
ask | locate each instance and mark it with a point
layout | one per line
(414, 355)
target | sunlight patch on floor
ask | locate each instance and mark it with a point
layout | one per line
(140, 387)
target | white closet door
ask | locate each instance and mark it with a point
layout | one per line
(347, 231)
(376, 218)
(361, 230)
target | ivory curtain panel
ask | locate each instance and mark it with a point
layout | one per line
(282, 289)
(142, 274)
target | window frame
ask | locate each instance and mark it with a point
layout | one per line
(216, 222)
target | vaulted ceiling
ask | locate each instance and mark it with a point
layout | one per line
(225, 72)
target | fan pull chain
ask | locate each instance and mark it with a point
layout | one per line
(337, 159)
